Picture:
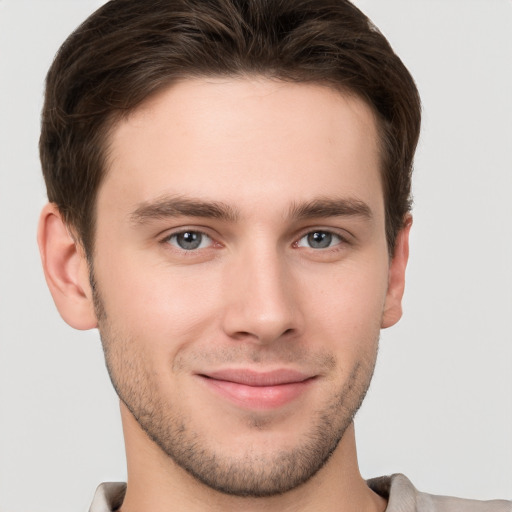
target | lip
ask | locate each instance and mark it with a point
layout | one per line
(258, 390)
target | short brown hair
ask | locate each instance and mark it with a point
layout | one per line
(129, 49)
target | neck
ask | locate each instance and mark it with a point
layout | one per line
(156, 483)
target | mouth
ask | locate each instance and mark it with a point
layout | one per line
(258, 390)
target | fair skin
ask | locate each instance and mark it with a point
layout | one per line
(241, 349)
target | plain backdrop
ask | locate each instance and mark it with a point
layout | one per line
(440, 406)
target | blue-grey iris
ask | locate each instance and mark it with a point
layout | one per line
(319, 239)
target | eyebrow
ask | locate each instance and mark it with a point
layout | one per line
(178, 206)
(328, 207)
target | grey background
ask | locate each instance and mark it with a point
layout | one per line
(440, 406)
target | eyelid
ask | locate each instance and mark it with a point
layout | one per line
(188, 229)
(184, 228)
(345, 236)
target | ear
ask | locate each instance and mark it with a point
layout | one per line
(396, 281)
(66, 270)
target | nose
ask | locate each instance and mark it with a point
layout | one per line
(262, 303)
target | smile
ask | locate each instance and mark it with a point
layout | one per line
(258, 390)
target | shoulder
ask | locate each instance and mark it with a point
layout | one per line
(404, 497)
(108, 497)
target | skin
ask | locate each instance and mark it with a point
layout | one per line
(256, 295)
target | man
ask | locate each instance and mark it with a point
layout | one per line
(229, 188)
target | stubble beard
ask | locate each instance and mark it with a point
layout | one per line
(248, 475)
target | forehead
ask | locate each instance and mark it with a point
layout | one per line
(252, 141)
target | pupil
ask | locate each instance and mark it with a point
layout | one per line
(189, 240)
(319, 239)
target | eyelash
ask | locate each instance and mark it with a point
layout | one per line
(168, 238)
(342, 240)
(330, 234)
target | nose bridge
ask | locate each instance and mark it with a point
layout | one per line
(261, 303)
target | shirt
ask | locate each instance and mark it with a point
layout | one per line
(402, 496)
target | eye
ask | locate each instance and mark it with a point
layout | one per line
(319, 240)
(189, 240)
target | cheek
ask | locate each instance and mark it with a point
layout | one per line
(349, 303)
(165, 308)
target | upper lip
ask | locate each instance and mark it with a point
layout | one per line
(250, 377)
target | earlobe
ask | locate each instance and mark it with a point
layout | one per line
(396, 282)
(66, 270)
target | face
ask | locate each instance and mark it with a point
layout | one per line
(241, 275)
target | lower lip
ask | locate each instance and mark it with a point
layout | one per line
(258, 397)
